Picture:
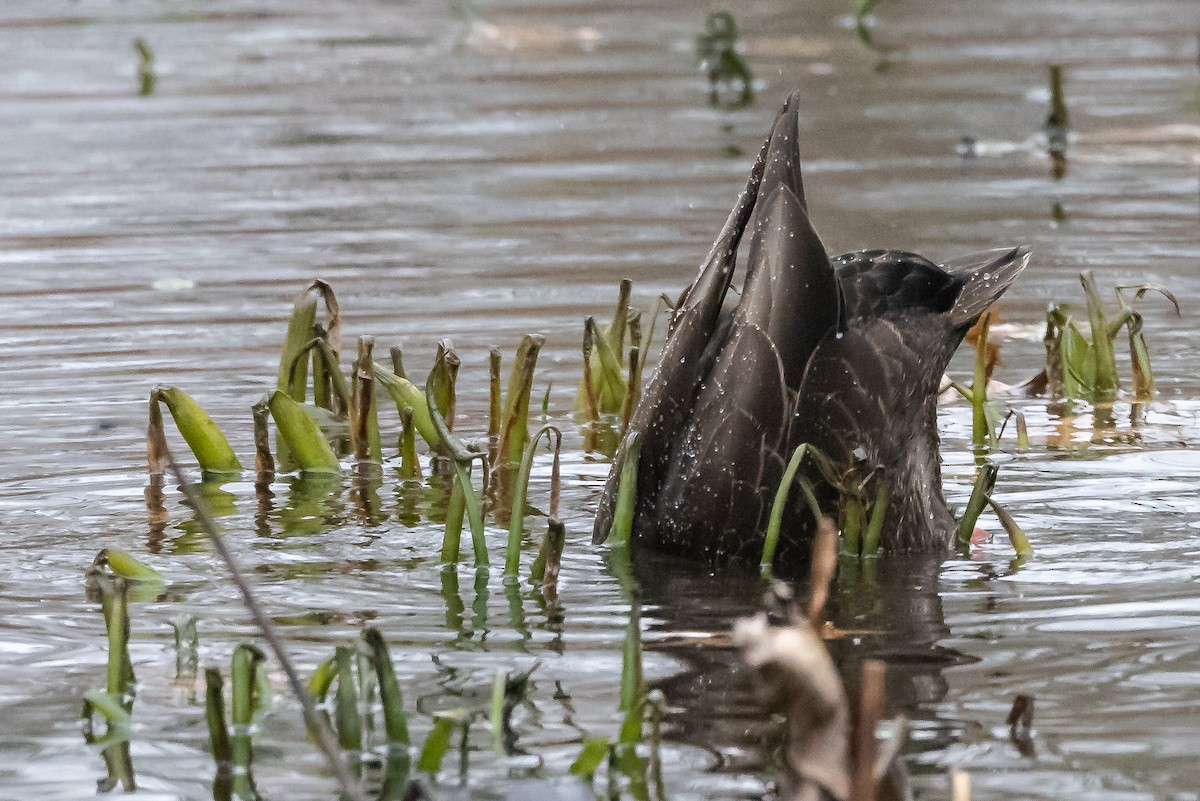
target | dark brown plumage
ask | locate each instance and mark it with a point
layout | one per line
(845, 354)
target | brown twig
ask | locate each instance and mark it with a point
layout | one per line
(326, 741)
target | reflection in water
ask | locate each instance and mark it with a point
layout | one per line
(886, 609)
(218, 501)
(313, 505)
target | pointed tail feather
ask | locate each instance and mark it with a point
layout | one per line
(985, 276)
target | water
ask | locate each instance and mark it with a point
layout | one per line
(481, 176)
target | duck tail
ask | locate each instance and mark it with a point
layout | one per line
(985, 276)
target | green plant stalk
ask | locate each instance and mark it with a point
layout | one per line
(622, 526)
(410, 466)
(778, 505)
(1016, 535)
(549, 558)
(883, 489)
(1052, 340)
(474, 510)
(187, 645)
(456, 508)
(406, 394)
(207, 443)
(395, 721)
(243, 681)
(1104, 358)
(1022, 433)
(304, 439)
(514, 431)
(1139, 358)
(214, 715)
(985, 479)
(516, 520)
(345, 701)
(496, 709)
(322, 383)
(461, 458)
(437, 743)
(981, 433)
(495, 404)
(615, 332)
(329, 385)
(264, 694)
(322, 679)
(852, 526)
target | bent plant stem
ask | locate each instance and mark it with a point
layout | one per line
(775, 521)
(982, 437)
(395, 722)
(516, 521)
(461, 459)
(207, 443)
(549, 559)
(985, 479)
(1015, 534)
(326, 741)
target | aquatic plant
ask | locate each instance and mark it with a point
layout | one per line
(114, 703)
(730, 82)
(1085, 368)
(516, 518)
(206, 441)
(146, 77)
(611, 385)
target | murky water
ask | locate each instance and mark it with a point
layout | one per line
(482, 174)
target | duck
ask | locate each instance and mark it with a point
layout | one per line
(842, 354)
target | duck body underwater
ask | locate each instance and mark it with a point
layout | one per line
(844, 355)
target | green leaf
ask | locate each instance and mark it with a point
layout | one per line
(395, 722)
(207, 443)
(437, 744)
(305, 441)
(126, 566)
(407, 395)
(591, 757)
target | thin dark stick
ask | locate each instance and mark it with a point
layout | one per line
(325, 739)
